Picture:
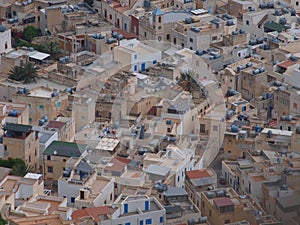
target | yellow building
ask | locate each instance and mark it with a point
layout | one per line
(43, 101)
(21, 142)
(56, 156)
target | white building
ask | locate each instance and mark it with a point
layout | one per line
(5, 39)
(136, 55)
(137, 210)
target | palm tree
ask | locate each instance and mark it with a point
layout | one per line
(29, 73)
(16, 73)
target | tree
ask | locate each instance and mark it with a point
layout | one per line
(89, 2)
(26, 73)
(16, 73)
(51, 48)
(29, 73)
(30, 32)
(18, 166)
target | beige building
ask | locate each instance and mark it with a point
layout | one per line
(20, 141)
(42, 101)
(222, 206)
(64, 126)
(56, 156)
(11, 112)
(197, 181)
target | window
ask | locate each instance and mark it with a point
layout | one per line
(58, 104)
(214, 38)
(247, 22)
(50, 169)
(141, 222)
(178, 178)
(297, 3)
(148, 221)
(159, 19)
(154, 62)
(146, 205)
(227, 221)
(30, 120)
(72, 199)
(110, 16)
(191, 40)
(210, 213)
(202, 128)
(161, 219)
(6, 46)
(125, 208)
(168, 37)
(289, 128)
(295, 106)
(41, 107)
(128, 223)
(135, 56)
(145, 34)
(48, 157)
(135, 68)
(215, 128)
(5, 147)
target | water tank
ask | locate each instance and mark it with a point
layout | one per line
(173, 139)
(10, 21)
(270, 4)
(191, 221)
(114, 34)
(234, 128)
(240, 67)
(120, 36)
(293, 12)
(258, 129)
(220, 193)
(110, 40)
(229, 114)
(284, 187)
(26, 90)
(293, 58)
(234, 32)
(289, 118)
(229, 23)
(20, 91)
(251, 9)
(67, 59)
(142, 132)
(260, 40)
(188, 20)
(13, 113)
(262, 69)
(298, 130)
(282, 21)
(45, 118)
(210, 194)
(164, 138)
(54, 94)
(242, 31)
(41, 122)
(199, 52)
(249, 64)
(147, 4)
(256, 71)
(62, 60)
(203, 219)
(262, 5)
(277, 13)
(285, 10)
(252, 42)
(270, 133)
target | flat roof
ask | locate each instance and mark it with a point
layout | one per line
(17, 127)
(34, 176)
(158, 170)
(196, 174)
(289, 201)
(223, 201)
(65, 149)
(277, 132)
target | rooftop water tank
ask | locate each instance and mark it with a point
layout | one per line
(234, 128)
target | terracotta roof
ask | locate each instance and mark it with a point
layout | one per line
(125, 34)
(224, 201)
(94, 212)
(55, 124)
(123, 160)
(4, 172)
(286, 64)
(115, 165)
(196, 174)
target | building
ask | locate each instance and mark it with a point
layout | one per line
(21, 141)
(135, 55)
(56, 155)
(197, 181)
(12, 112)
(42, 102)
(64, 126)
(5, 39)
(222, 206)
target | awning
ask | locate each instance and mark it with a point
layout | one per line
(39, 56)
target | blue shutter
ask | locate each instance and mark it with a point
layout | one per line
(125, 208)
(146, 205)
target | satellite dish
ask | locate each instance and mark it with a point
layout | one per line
(55, 153)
